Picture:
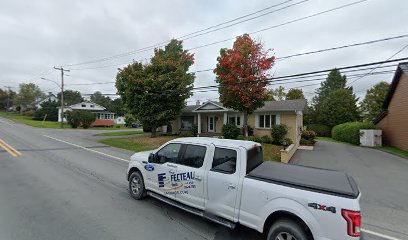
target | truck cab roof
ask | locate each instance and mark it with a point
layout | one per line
(217, 142)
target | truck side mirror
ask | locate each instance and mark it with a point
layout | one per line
(151, 158)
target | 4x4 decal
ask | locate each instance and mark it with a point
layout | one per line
(322, 207)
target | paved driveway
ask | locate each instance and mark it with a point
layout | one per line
(382, 178)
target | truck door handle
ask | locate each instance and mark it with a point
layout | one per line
(231, 186)
(172, 172)
(198, 178)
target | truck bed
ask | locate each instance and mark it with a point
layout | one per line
(308, 178)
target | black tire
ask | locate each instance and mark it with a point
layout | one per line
(136, 186)
(284, 228)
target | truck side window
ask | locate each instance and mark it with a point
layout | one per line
(169, 153)
(193, 156)
(225, 161)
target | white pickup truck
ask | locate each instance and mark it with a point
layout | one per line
(228, 182)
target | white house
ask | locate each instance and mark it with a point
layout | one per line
(103, 117)
(38, 102)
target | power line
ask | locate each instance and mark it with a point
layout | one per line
(279, 58)
(395, 54)
(193, 34)
(251, 33)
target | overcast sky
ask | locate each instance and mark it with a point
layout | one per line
(37, 35)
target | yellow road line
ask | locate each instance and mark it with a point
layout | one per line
(12, 151)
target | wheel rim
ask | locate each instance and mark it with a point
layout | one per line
(135, 185)
(285, 236)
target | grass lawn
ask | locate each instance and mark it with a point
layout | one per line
(327, 139)
(394, 150)
(46, 124)
(272, 152)
(137, 144)
(121, 133)
(145, 143)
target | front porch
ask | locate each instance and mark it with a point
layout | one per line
(209, 119)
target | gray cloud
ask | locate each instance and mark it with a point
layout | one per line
(36, 35)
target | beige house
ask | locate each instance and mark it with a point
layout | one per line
(211, 116)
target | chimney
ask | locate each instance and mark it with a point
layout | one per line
(198, 102)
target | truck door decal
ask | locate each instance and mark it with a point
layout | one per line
(178, 183)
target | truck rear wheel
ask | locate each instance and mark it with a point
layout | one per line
(136, 186)
(286, 229)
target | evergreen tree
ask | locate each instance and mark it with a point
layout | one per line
(372, 104)
(295, 93)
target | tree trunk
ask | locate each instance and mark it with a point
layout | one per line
(246, 124)
(153, 132)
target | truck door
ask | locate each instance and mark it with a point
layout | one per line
(223, 183)
(190, 175)
(160, 175)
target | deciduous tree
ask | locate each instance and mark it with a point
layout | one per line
(295, 93)
(156, 92)
(27, 94)
(242, 73)
(70, 97)
(372, 104)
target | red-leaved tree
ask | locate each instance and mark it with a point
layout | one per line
(242, 73)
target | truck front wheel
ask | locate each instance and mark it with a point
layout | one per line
(286, 229)
(136, 186)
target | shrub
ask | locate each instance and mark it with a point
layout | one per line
(230, 131)
(250, 131)
(278, 133)
(310, 142)
(266, 139)
(118, 126)
(49, 110)
(320, 130)
(29, 113)
(288, 142)
(309, 135)
(241, 137)
(147, 128)
(350, 131)
(251, 138)
(186, 134)
(194, 130)
(87, 118)
(73, 118)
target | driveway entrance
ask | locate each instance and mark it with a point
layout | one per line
(381, 177)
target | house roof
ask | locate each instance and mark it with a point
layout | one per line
(269, 106)
(402, 68)
(286, 105)
(78, 106)
(49, 96)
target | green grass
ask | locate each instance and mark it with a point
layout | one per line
(394, 150)
(145, 143)
(327, 139)
(47, 124)
(272, 152)
(122, 133)
(137, 144)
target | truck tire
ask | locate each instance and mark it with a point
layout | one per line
(286, 229)
(136, 186)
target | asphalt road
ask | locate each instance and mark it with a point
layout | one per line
(381, 177)
(67, 186)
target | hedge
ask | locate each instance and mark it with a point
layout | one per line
(350, 132)
(320, 129)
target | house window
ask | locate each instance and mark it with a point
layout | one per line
(83, 105)
(187, 122)
(266, 121)
(236, 120)
(92, 106)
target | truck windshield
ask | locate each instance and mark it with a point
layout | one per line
(254, 158)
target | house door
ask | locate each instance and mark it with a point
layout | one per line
(211, 124)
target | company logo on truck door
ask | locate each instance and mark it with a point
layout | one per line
(178, 183)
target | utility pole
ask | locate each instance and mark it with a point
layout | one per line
(62, 93)
(8, 98)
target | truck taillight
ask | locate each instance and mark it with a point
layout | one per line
(353, 219)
